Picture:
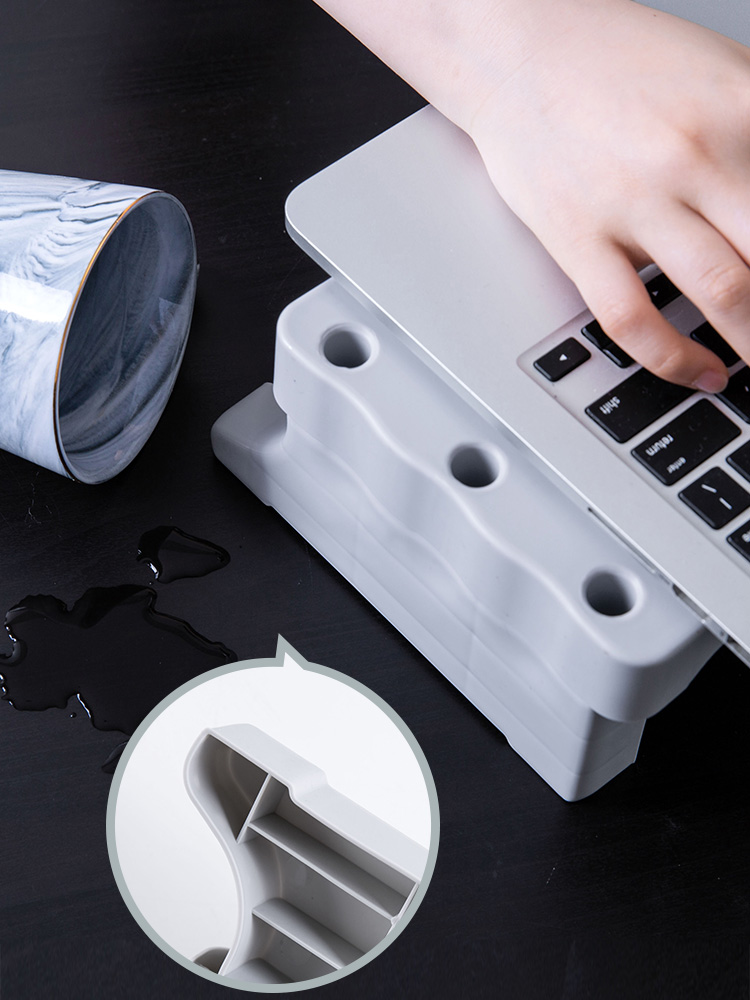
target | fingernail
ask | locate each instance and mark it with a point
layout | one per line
(710, 381)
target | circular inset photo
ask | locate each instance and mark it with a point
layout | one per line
(273, 824)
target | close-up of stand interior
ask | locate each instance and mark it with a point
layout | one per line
(321, 881)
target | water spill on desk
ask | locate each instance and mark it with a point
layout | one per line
(112, 650)
(174, 555)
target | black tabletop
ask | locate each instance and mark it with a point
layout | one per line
(643, 890)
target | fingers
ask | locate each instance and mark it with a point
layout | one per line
(706, 267)
(618, 299)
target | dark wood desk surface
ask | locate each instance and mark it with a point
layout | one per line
(641, 891)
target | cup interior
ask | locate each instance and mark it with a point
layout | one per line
(126, 338)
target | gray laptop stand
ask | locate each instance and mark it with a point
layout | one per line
(550, 626)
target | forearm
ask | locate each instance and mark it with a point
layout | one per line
(458, 52)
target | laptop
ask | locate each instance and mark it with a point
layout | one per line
(412, 227)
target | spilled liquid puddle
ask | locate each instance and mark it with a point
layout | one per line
(172, 554)
(112, 649)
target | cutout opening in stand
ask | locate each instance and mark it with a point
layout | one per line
(610, 593)
(474, 466)
(346, 348)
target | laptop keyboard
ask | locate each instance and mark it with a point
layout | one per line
(692, 446)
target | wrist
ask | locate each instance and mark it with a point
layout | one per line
(520, 54)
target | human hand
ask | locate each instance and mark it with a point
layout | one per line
(621, 135)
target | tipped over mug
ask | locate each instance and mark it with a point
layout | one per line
(97, 284)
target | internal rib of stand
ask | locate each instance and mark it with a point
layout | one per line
(321, 881)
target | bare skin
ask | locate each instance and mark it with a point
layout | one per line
(619, 134)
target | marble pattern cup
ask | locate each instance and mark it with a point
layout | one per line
(97, 283)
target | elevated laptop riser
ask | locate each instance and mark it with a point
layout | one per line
(543, 620)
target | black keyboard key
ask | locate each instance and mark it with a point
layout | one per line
(740, 460)
(706, 335)
(635, 403)
(662, 291)
(562, 359)
(593, 332)
(737, 393)
(740, 540)
(615, 353)
(716, 497)
(685, 442)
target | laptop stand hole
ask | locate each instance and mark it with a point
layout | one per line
(474, 466)
(346, 348)
(609, 593)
